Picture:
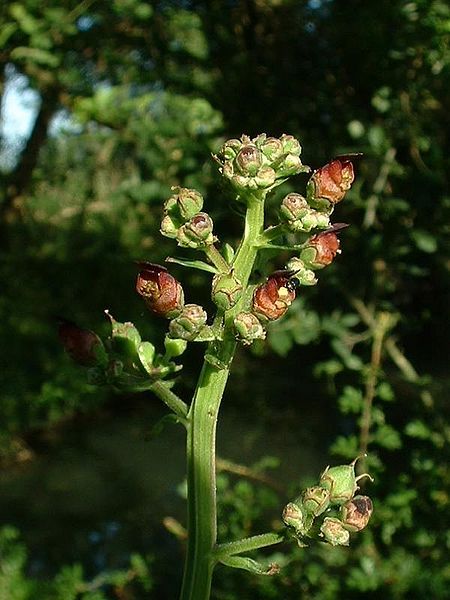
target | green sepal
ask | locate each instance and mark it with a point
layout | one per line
(174, 347)
(193, 264)
(206, 334)
(146, 353)
(251, 565)
(125, 338)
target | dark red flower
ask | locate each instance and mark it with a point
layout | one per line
(332, 181)
(82, 345)
(162, 293)
(272, 298)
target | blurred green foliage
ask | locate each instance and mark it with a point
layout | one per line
(144, 93)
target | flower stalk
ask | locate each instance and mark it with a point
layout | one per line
(244, 310)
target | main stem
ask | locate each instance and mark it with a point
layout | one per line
(201, 436)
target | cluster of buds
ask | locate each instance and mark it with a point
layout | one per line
(124, 361)
(333, 499)
(326, 187)
(184, 220)
(262, 162)
(296, 213)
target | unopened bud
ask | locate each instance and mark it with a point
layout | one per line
(290, 145)
(249, 160)
(341, 482)
(249, 328)
(197, 232)
(169, 227)
(271, 147)
(231, 148)
(356, 513)
(189, 323)
(272, 298)
(315, 500)
(293, 207)
(295, 516)
(334, 532)
(331, 182)
(183, 204)
(265, 177)
(226, 290)
(298, 216)
(162, 293)
(303, 275)
(82, 345)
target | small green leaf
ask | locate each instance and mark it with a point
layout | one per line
(228, 253)
(248, 564)
(161, 425)
(36, 55)
(351, 400)
(418, 429)
(424, 240)
(193, 264)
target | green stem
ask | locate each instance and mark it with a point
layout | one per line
(216, 258)
(175, 403)
(201, 438)
(247, 544)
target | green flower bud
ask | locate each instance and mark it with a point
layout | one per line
(356, 513)
(226, 290)
(169, 228)
(296, 517)
(290, 145)
(314, 220)
(197, 232)
(189, 323)
(249, 160)
(341, 482)
(291, 165)
(334, 532)
(183, 204)
(293, 207)
(315, 500)
(230, 149)
(271, 147)
(265, 177)
(249, 328)
(303, 275)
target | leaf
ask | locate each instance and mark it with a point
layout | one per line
(161, 425)
(351, 400)
(424, 240)
(248, 564)
(36, 55)
(193, 264)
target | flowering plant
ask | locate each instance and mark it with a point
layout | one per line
(330, 510)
